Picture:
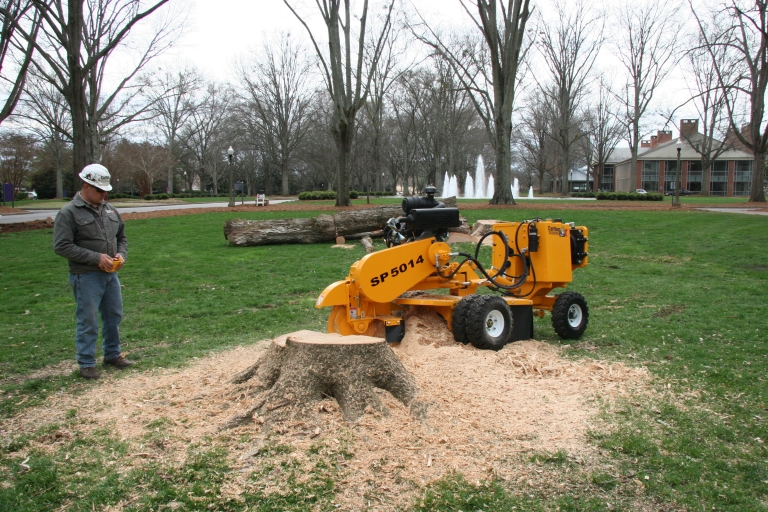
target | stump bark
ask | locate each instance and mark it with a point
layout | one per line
(323, 228)
(301, 369)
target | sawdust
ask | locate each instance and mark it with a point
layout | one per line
(488, 413)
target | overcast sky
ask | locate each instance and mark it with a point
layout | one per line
(222, 30)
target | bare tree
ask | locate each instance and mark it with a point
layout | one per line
(489, 71)
(205, 135)
(76, 41)
(646, 42)
(601, 131)
(537, 149)
(172, 98)
(148, 163)
(17, 16)
(384, 77)
(348, 84)
(276, 93)
(743, 35)
(710, 102)
(45, 113)
(569, 48)
(17, 151)
(401, 156)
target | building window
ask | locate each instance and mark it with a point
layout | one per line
(742, 178)
(670, 175)
(694, 176)
(718, 180)
(606, 180)
(650, 179)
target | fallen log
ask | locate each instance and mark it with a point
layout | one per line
(323, 228)
(367, 243)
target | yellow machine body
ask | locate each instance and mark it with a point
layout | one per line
(374, 293)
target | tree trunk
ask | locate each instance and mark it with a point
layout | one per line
(344, 144)
(301, 369)
(323, 228)
(758, 179)
(77, 101)
(285, 186)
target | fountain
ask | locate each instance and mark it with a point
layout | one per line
(491, 188)
(515, 189)
(530, 192)
(450, 186)
(469, 188)
(479, 178)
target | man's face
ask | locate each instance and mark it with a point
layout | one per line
(93, 195)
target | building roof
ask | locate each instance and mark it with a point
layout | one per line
(622, 154)
(668, 151)
(579, 174)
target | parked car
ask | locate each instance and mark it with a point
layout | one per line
(683, 192)
(640, 191)
(32, 195)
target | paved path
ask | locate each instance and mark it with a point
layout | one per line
(747, 211)
(29, 215)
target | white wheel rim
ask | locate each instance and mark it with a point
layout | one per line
(494, 324)
(574, 315)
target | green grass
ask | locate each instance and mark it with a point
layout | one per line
(679, 292)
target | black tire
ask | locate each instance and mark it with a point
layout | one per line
(489, 322)
(459, 318)
(570, 315)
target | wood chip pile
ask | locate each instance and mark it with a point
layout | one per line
(488, 413)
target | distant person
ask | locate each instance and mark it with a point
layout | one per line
(90, 233)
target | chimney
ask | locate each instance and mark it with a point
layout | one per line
(645, 143)
(689, 128)
(654, 141)
(663, 136)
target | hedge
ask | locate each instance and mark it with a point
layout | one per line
(623, 196)
(319, 195)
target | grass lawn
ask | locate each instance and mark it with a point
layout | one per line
(682, 293)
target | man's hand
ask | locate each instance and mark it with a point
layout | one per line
(110, 264)
(119, 262)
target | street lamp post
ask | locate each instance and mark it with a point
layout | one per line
(230, 154)
(676, 199)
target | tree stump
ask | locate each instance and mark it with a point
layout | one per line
(302, 368)
(483, 227)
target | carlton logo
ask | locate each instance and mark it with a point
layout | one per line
(557, 231)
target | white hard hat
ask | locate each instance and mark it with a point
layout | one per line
(96, 175)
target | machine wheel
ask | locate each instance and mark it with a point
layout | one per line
(459, 318)
(570, 315)
(489, 322)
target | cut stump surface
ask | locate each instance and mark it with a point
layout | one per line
(300, 369)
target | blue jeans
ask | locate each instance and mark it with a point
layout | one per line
(97, 292)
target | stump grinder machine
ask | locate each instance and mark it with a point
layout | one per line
(529, 260)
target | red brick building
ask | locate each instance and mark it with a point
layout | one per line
(729, 175)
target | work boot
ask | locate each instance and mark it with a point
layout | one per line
(89, 373)
(118, 362)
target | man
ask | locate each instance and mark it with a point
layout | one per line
(90, 233)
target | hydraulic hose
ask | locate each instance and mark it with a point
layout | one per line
(492, 279)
